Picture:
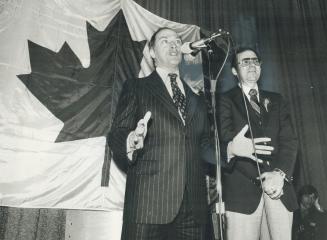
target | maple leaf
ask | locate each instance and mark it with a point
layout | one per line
(85, 98)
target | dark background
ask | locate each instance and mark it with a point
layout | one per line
(291, 37)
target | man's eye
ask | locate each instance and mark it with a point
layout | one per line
(178, 42)
(164, 41)
(246, 61)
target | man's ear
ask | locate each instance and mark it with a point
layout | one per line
(234, 72)
(152, 54)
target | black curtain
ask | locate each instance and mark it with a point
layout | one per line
(291, 37)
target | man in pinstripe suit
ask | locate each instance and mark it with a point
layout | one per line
(165, 188)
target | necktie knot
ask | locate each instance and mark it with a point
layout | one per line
(172, 76)
(253, 92)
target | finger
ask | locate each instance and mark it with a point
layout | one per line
(276, 194)
(142, 124)
(133, 139)
(261, 140)
(139, 131)
(256, 159)
(263, 152)
(269, 191)
(147, 117)
(139, 144)
(263, 175)
(243, 130)
(138, 140)
(264, 147)
(280, 194)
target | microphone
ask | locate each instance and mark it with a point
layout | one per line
(194, 47)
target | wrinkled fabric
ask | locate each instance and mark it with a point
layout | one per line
(62, 65)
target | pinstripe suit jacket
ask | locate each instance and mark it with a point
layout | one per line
(172, 157)
(239, 192)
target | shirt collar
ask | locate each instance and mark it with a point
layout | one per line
(247, 89)
(163, 73)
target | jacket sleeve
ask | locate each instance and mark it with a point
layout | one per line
(287, 141)
(226, 128)
(125, 120)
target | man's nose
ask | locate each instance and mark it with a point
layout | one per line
(251, 66)
(172, 44)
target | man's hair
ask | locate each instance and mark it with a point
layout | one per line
(240, 50)
(153, 37)
(307, 190)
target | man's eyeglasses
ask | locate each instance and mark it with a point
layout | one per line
(245, 62)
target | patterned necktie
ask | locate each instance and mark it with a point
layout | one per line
(254, 101)
(178, 96)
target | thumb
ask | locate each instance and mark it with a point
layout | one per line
(243, 130)
(147, 117)
(263, 175)
(141, 128)
(256, 159)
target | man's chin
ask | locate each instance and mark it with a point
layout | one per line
(251, 81)
(175, 62)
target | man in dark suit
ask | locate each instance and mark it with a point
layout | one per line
(164, 151)
(255, 211)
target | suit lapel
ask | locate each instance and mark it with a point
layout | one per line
(239, 101)
(191, 102)
(264, 108)
(157, 88)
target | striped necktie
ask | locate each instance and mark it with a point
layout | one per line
(254, 101)
(178, 96)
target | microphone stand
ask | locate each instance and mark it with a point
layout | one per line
(218, 214)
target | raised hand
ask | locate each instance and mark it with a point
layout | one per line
(243, 146)
(136, 137)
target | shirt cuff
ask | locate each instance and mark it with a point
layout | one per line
(230, 154)
(283, 174)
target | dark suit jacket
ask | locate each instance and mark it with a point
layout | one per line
(172, 157)
(241, 191)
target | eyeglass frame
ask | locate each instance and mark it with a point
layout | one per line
(251, 61)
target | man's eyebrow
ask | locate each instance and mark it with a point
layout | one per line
(162, 37)
(249, 58)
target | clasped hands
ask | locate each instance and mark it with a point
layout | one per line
(272, 184)
(242, 146)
